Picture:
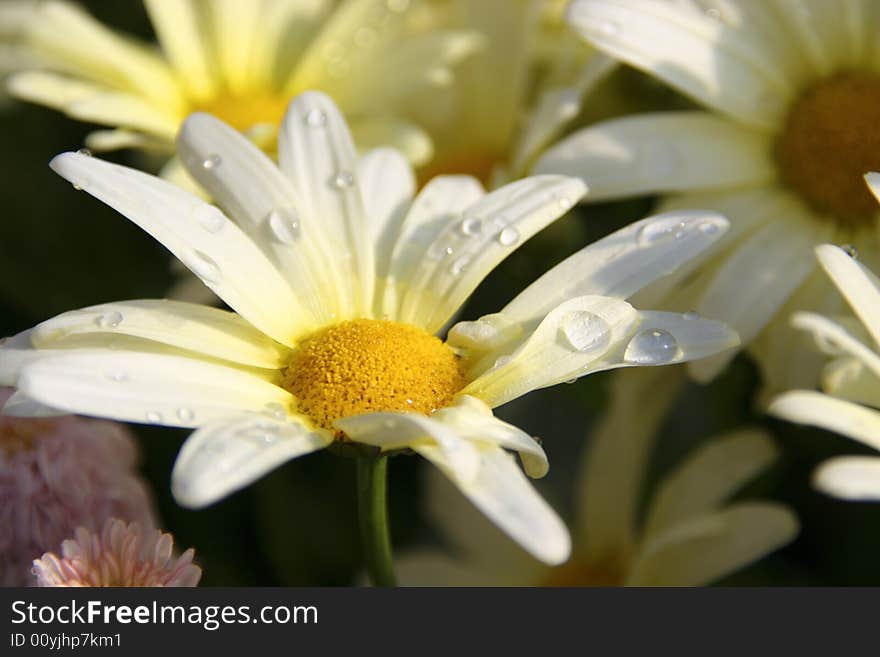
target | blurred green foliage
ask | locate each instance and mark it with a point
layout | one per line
(62, 250)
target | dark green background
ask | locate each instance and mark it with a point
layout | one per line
(60, 250)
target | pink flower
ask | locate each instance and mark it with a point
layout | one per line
(122, 555)
(57, 474)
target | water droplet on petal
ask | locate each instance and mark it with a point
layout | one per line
(508, 236)
(564, 202)
(501, 361)
(471, 226)
(276, 410)
(651, 347)
(209, 217)
(109, 320)
(850, 250)
(284, 224)
(84, 151)
(658, 231)
(457, 267)
(118, 376)
(709, 228)
(211, 162)
(203, 266)
(690, 315)
(316, 118)
(343, 179)
(585, 331)
(185, 414)
(609, 28)
(438, 251)
(154, 416)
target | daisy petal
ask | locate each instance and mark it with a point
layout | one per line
(840, 416)
(464, 252)
(316, 152)
(856, 283)
(850, 477)
(201, 236)
(230, 453)
(380, 131)
(622, 263)
(712, 546)
(850, 379)
(666, 151)
(832, 338)
(193, 327)
(147, 387)
(503, 493)
(15, 353)
(20, 405)
(711, 62)
(247, 184)
(708, 478)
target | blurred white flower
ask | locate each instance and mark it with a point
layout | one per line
(791, 98)
(121, 554)
(339, 278)
(691, 533)
(58, 473)
(851, 379)
(242, 61)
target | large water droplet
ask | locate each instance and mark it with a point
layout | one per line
(651, 347)
(203, 266)
(585, 331)
(211, 162)
(470, 226)
(109, 320)
(660, 231)
(84, 151)
(185, 414)
(316, 118)
(284, 224)
(508, 236)
(209, 217)
(343, 179)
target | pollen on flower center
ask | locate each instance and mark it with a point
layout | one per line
(245, 111)
(366, 365)
(831, 139)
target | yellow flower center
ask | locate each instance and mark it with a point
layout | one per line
(370, 365)
(582, 573)
(830, 141)
(245, 111)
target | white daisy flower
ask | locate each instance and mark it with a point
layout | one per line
(513, 96)
(690, 534)
(851, 379)
(243, 62)
(791, 97)
(339, 280)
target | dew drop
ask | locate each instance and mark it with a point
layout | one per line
(508, 236)
(659, 231)
(609, 28)
(276, 410)
(458, 267)
(185, 414)
(84, 151)
(438, 251)
(211, 162)
(109, 320)
(689, 315)
(203, 266)
(850, 250)
(709, 228)
(585, 331)
(154, 416)
(316, 118)
(651, 347)
(343, 179)
(209, 217)
(118, 376)
(564, 202)
(501, 361)
(284, 224)
(470, 226)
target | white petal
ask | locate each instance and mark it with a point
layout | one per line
(707, 478)
(20, 405)
(147, 388)
(316, 152)
(749, 287)
(399, 430)
(382, 131)
(856, 283)
(465, 251)
(850, 477)
(622, 263)
(230, 453)
(201, 236)
(503, 493)
(15, 353)
(201, 329)
(849, 378)
(816, 409)
(570, 339)
(712, 546)
(665, 151)
(235, 29)
(709, 61)
(437, 205)
(387, 184)
(251, 189)
(833, 339)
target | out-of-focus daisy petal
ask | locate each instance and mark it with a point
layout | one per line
(836, 340)
(850, 477)
(230, 453)
(856, 283)
(816, 409)
(403, 136)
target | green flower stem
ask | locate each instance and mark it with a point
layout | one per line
(372, 470)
